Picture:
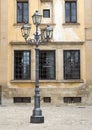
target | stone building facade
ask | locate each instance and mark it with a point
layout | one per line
(64, 61)
(3, 47)
(88, 46)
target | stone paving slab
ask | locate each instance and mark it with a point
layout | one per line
(17, 117)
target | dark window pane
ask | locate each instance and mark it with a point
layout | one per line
(22, 12)
(22, 99)
(73, 12)
(19, 12)
(47, 65)
(22, 65)
(25, 12)
(71, 64)
(67, 12)
(70, 11)
(46, 13)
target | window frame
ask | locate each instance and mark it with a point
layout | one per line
(22, 1)
(79, 60)
(54, 77)
(70, 15)
(29, 78)
(48, 10)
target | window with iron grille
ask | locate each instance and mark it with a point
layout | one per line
(47, 99)
(21, 65)
(22, 11)
(70, 11)
(47, 65)
(72, 99)
(71, 64)
(22, 99)
(46, 13)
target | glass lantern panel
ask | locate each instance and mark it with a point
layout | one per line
(50, 34)
(45, 34)
(36, 19)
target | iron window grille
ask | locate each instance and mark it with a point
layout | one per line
(71, 64)
(46, 13)
(47, 99)
(47, 65)
(22, 99)
(70, 11)
(22, 11)
(72, 99)
(21, 65)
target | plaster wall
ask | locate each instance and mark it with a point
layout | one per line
(66, 36)
(88, 38)
(3, 41)
(62, 31)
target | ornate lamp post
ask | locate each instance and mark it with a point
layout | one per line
(46, 36)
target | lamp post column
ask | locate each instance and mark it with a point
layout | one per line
(47, 35)
(37, 112)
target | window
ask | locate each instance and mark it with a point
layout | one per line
(46, 13)
(21, 65)
(47, 65)
(22, 11)
(72, 99)
(47, 99)
(71, 64)
(70, 12)
(22, 99)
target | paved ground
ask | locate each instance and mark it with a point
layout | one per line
(17, 117)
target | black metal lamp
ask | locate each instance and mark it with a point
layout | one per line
(25, 30)
(36, 18)
(47, 32)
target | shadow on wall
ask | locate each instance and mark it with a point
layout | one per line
(0, 93)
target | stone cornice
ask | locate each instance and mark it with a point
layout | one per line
(50, 43)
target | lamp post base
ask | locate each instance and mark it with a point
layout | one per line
(37, 119)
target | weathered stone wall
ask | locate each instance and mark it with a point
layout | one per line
(56, 94)
(65, 36)
(88, 46)
(3, 44)
(88, 34)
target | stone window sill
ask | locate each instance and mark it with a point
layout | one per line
(19, 24)
(73, 81)
(71, 24)
(48, 81)
(32, 81)
(21, 81)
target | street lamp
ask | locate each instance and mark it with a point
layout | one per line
(46, 36)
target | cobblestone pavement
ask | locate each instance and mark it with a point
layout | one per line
(17, 117)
